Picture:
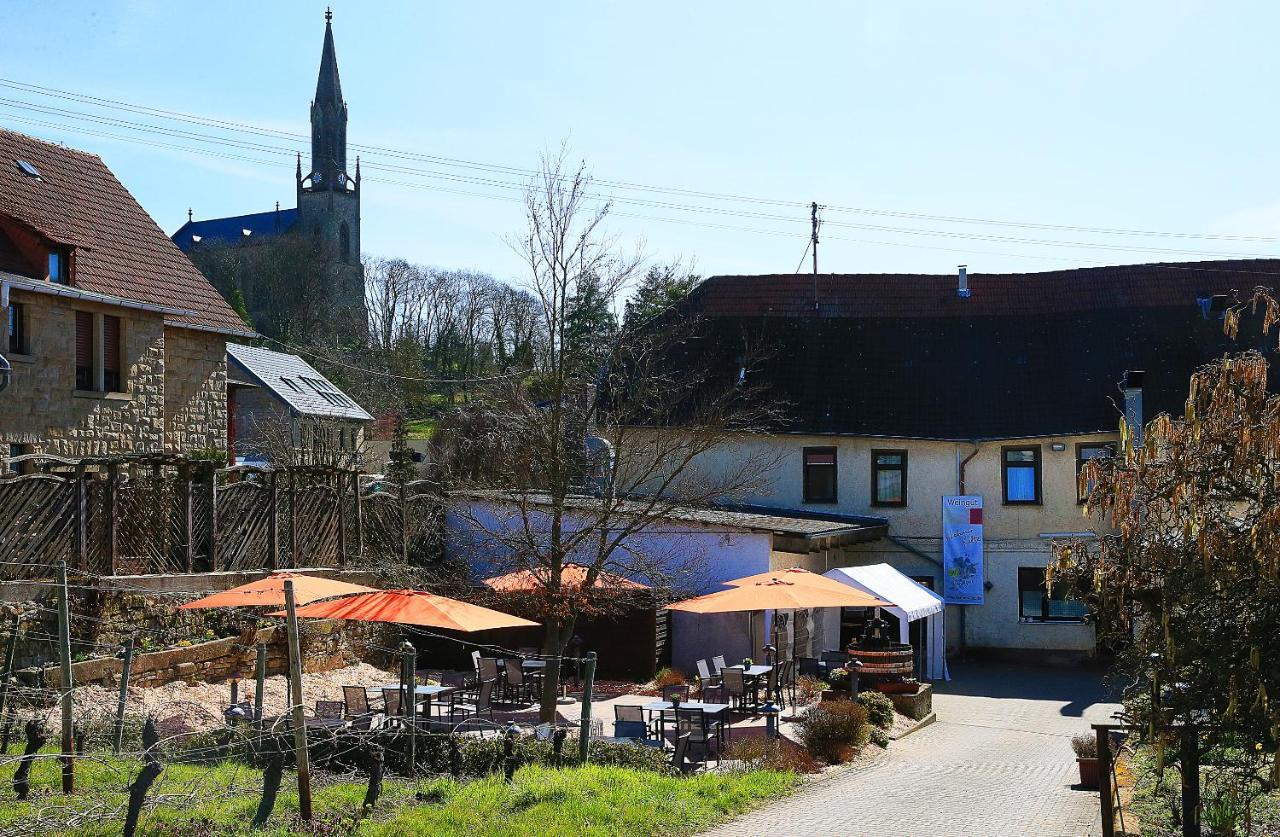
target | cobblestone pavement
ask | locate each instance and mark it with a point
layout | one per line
(997, 762)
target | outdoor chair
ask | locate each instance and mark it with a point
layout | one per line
(833, 660)
(771, 687)
(809, 667)
(787, 680)
(718, 663)
(330, 709)
(705, 677)
(475, 661)
(681, 689)
(479, 705)
(692, 725)
(624, 713)
(735, 687)
(517, 685)
(457, 679)
(357, 702)
(678, 757)
(487, 668)
(392, 705)
(637, 731)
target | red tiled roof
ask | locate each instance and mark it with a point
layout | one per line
(875, 295)
(119, 248)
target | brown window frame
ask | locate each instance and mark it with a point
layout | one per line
(876, 468)
(86, 374)
(16, 324)
(835, 473)
(1037, 463)
(1080, 446)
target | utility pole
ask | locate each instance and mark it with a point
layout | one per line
(813, 245)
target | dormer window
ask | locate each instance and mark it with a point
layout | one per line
(59, 267)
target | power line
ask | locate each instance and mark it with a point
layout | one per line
(228, 125)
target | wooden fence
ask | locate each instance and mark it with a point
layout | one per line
(167, 514)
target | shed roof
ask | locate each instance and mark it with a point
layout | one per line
(295, 382)
(74, 199)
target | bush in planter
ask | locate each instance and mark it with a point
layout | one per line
(833, 731)
(1085, 746)
(838, 678)
(879, 708)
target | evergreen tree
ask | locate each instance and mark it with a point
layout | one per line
(662, 287)
(590, 327)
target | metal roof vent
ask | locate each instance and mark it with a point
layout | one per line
(28, 169)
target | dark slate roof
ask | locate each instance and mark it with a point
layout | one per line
(118, 249)
(293, 381)
(231, 230)
(1033, 354)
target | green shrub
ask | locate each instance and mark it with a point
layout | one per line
(879, 708)
(669, 677)
(880, 738)
(834, 730)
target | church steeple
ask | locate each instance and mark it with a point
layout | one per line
(328, 122)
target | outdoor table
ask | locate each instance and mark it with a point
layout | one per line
(752, 675)
(427, 692)
(719, 713)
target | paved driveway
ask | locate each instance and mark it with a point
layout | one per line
(997, 763)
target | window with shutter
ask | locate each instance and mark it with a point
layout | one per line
(84, 350)
(111, 378)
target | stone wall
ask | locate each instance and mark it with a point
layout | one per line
(195, 390)
(42, 408)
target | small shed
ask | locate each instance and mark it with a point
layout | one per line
(911, 602)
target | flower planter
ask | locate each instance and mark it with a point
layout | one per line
(1088, 773)
(898, 688)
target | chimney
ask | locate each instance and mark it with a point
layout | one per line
(962, 290)
(1133, 404)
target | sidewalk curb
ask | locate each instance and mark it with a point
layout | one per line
(921, 724)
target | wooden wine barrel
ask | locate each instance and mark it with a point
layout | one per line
(897, 660)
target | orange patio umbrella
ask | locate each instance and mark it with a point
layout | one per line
(794, 575)
(571, 575)
(775, 594)
(270, 591)
(414, 607)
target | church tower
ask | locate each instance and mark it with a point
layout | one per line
(329, 197)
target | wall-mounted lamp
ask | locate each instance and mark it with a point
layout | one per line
(1058, 446)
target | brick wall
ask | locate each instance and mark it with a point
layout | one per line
(195, 390)
(42, 409)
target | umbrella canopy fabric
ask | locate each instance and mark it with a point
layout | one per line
(269, 591)
(415, 607)
(571, 575)
(776, 594)
(794, 575)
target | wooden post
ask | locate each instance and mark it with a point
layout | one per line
(11, 650)
(151, 771)
(293, 519)
(111, 514)
(409, 698)
(341, 477)
(125, 668)
(212, 471)
(404, 525)
(299, 720)
(588, 680)
(188, 529)
(1189, 767)
(1103, 732)
(82, 518)
(260, 682)
(64, 649)
(355, 479)
(273, 531)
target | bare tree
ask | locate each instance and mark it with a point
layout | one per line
(575, 461)
(285, 440)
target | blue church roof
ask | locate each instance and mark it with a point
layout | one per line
(231, 230)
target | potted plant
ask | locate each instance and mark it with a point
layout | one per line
(747, 662)
(1086, 748)
(837, 685)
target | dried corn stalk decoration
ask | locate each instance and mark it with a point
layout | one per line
(1183, 573)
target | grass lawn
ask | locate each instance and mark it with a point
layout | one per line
(221, 799)
(420, 428)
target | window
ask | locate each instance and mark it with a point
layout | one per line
(290, 384)
(1020, 473)
(888, 477)
(1035, 604)
(58, 267)
(98, 366)
(819, 475)
(1084, 452)
(17, 329)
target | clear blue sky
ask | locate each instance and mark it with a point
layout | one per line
(1154, 116)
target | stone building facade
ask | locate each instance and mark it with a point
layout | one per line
(116, 341)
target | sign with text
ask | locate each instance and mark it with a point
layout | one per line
(962, 572)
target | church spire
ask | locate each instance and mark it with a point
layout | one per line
(328, 120)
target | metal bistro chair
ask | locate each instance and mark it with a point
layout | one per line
(833, 660)
(809, 667)
(488, 668)
(393, 706)
(626, 714)
(787, 680)
(692, 724)
(479, 703)
(357, 701)
(718, 663)
(735, 687)
(517, 685)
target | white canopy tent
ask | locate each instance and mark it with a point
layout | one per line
(912, 601)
